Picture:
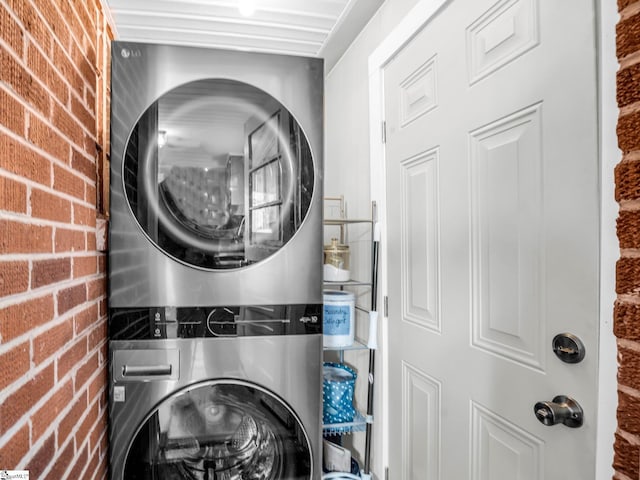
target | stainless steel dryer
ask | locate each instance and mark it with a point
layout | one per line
(215, 264)
(216, 177)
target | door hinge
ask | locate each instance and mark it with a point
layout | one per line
(386, 306)
(384, 131)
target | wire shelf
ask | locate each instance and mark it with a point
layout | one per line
(356, 345)
(359, 424)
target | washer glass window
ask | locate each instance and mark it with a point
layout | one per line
(218, 174)
(219, 430)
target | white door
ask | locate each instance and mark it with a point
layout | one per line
(492, 208)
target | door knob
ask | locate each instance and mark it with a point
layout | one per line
(562, 409)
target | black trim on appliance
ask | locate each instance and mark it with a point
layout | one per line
(152, 323)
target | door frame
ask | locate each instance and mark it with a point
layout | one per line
(609, 155)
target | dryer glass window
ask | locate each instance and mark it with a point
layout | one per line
(217, 430)
(218, 174)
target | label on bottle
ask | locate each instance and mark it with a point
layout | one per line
(337, 319)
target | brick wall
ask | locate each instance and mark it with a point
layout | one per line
(53, 133)
(627, 307)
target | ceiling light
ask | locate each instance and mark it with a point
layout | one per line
(247, 7)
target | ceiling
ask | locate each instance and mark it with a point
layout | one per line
(314, 28)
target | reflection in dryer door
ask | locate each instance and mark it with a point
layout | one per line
(220, 430)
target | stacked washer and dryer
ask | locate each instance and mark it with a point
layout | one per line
(215, 264)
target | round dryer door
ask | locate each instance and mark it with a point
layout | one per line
(220, 430)
(218, 174)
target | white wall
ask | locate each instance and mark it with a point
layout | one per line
(347, 173)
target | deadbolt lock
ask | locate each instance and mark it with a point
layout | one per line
(568, 348)
(562, 409)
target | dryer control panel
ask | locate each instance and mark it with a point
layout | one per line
(155, 323)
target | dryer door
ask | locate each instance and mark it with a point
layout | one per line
(218, 174)
(220, 430)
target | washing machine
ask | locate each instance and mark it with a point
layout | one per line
(215, 264)
(219, 397)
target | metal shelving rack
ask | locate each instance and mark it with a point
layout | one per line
(361, 422)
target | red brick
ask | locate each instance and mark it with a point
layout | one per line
(84, 319)
(69, 240)
(49, 206)
(71, 297)
(626, 321)
(15, 320)
(628, 276)
(90, 103)
(628, 132)
(34, 25)
(46, 138)
(15, 449)
(90, 146)
(68, 182)
(628, 418)
(84, 65)
(62, 461)
(85, 117)
(86, 166)
(88, 368)
(41, 66)
(622, 4)
(98, 336)
(98, 434)
(629, 368)
(628, 36)
(13, 195)
(46, 272)
(71, 419)
(10, 31)
(12, 113)
(23, 83)
(68, 125)
(55, 21)
(42, 457)
(90, 196)
(91, 242)
(22, 160)
(71, 357)
(88, 11)
(97, 288)
(52, 341)
(24, 238)
(20, 401)
(76, 28)
(626, 457)
(627, 85)
(85, 266)
(67, 69)
(83, 215)
(98, 448)
(80, 463)
(628, 228)
(97, 388)
(14, 277)
(14, 364)
(48, 413)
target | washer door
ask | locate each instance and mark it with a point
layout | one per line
(218, 174)
(227, 430)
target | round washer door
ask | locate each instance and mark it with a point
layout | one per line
(220, 430)
(218, 174)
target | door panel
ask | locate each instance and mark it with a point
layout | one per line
(492, 197)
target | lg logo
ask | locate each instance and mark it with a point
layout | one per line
(126, 53)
